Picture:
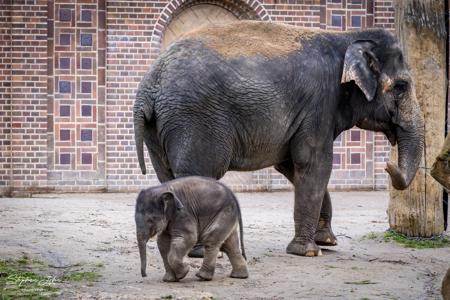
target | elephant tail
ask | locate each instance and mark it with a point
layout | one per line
(241, 228)
(142, 114)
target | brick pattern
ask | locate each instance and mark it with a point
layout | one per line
(5, 97)
(28, 95)
(385, 14)
(129, 30)
(353, 166)
(325, 14)
(76, 94)
(66, 120)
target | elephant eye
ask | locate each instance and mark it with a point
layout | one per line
(400, 88)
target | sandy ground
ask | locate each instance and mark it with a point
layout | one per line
(84, 230)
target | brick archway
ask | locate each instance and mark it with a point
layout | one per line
(242, 9)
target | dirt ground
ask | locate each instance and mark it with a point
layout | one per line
(97, 232)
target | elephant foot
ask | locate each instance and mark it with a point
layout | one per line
(325, 237)
(169, 277)
(182, 273)
(204, 275)
(241, 273)
(197, 252)
(297, 247)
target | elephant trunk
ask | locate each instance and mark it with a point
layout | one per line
(410, 148)
(141, 113)
(142, 235)
(143, 255)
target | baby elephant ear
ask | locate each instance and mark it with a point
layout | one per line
(362, 67)
(140, 201)
(170, 197)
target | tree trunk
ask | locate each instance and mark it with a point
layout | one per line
(420, 25)
(441, 167)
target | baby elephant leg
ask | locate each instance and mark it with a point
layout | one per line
(178, 249)
(206, 272)
(231, 248)
(164, 247)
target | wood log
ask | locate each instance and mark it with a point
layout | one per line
(420, 26)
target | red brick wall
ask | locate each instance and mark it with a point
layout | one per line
(28, 95)
(78, 135)
(384, 14)
(5, 97)
(130, 25)
(76, 95)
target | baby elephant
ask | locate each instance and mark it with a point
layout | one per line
(187, 211)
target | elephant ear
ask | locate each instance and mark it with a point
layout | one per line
(169, 199)
(362, 67)
(140, 201)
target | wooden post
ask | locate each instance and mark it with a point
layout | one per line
(420, 26)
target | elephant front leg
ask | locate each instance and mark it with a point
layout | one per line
(310, 181)
(324, 234)
(164, 248)
(179, 247)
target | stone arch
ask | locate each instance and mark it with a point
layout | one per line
(241, 9)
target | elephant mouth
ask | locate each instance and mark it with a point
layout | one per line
(152, 233)
(391, 135)
(156, 230)
(388, 129)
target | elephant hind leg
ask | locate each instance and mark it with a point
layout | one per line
(163, 172)
(159, 161)
(206, 154)
(324, 234)
(206, 271)
(232, 250)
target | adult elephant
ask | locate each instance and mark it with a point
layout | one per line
(249, 95)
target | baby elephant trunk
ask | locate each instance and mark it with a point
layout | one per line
(142, 243)
(142, 235)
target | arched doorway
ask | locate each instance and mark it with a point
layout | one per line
(195, 17)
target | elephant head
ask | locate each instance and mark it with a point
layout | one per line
(386, 102)
(154, 210)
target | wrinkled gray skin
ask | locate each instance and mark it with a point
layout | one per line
(183, 212)
(200, 113)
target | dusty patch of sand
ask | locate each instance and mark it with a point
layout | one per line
(250, 38)
(93, 230)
